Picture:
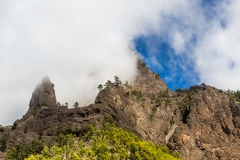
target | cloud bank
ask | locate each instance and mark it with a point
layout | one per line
(82, 44)
(77, 44)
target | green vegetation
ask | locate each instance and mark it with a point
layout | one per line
(107, 83)
(58, 104)
(117, 81)
(143, 105)
(75, 105)
(35, 109)
(168, 101)
(143, 99)
(100, 87)
(163, 96)
(1, 128)
(154, 109)
(3, 143)
(22, 151)
(68, 130)
(14, 126)
(159, 101)
(109, 143)
(40, 133)
(157, 75)
(235, 95)
(141, 63)
(25, 129)
(164, 93)
(127, 84)
(172, 121)
(186, 96)
(44, 104)
(166, 131)
(137, 93)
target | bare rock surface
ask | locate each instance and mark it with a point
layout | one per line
(200, 123)
(43, 96)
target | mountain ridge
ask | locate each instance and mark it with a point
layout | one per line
(201, 123)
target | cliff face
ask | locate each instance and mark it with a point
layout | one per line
(201, 123)
(42, 96)
(211, 127)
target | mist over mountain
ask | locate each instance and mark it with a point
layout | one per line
(154, 117)
(80, 45)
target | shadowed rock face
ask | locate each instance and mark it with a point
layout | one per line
(43, 95)
(201, 124)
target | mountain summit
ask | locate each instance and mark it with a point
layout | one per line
(201, 123)
(42, 96)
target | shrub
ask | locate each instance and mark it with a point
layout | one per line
(3, 144)
(137, 93)
(172, 121)
(117, 81)
(25, 129)
(75, 105)
(100, 87)
(14, 126)
(22, 151)
(1, 128)
(108, 143)
(157, 75)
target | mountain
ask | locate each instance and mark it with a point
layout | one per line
(201, 123)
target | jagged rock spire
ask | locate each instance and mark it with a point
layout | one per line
(147, 81)
(43, 95)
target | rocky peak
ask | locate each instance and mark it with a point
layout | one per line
(43, 95)
(147, 81)
(201, 123)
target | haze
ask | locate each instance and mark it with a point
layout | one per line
(81, 44)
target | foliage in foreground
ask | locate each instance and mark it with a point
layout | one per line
(110, 143)
(22, 151)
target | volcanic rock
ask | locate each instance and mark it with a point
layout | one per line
(201, 123)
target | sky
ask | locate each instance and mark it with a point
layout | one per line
(81, 44)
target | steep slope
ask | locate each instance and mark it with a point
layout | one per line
(200, 123)
(42, 96)
(107, 143)
(211, 127)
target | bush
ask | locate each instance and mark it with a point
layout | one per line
(3, 144)
(108, 143)
(25, 129)
(22, 151)
(1, 128)
(75, 105)
(14, 126)
(137, 93)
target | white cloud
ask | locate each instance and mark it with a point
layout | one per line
(218, 51)
(82, 44)
(209, 37)
(178, 42)
(77, 44)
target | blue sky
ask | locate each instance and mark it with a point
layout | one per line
(168, 63)
(176, 69)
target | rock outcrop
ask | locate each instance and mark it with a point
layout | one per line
(43, 95)
(200, 123)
